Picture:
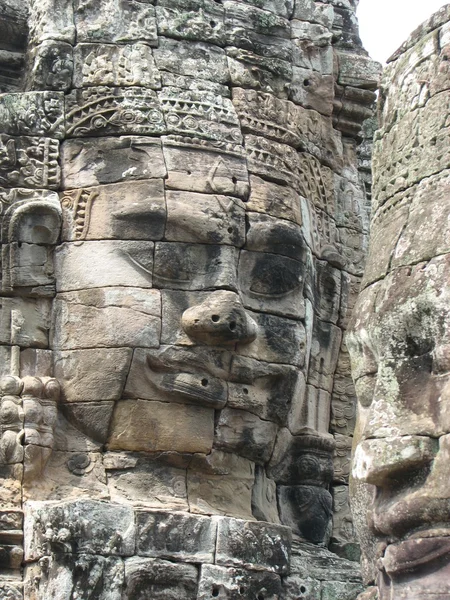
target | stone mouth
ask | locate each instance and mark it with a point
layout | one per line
(418, 551)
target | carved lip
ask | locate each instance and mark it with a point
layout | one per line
(415, 513)
(420, 549)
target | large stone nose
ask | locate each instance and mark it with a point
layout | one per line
(379, 461)
(220, 319)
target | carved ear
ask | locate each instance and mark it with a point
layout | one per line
(30, 229)
(33, 222)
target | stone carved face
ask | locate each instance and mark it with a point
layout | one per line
(401, 359)
(194, 306)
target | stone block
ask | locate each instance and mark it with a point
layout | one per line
(100, 111)
(143, 425)
(151, 480)
(336, 590)
(51, 66)
(176, 536)
(11, 486)
(201, 114)
(114, 22)
(51, 20)
(90, 162)
(245, 434)
(194, 266)
(313, 90)
(266, 390)
(221, 483)
(312, 411)
(69, 475)
(233, 584)
(182, 384)
(29, 162)
(12, 590)
(25, 322)
(264, 497)
(116, 211)
(183, 20)
(279, 340)
(149, 367)
(249, 69)
(270, 198)
(130, 264)
(302, 588)
(254, 545)
(204, 219)
(33, 113)
(114, 317)
(106, 64)
(78, 527)
(81, 380)
(66, 575)
(152, 579)
(89, 419)
(200, 166)
(192, 58)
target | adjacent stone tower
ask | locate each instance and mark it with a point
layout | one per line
(400, 340)
(184, 223)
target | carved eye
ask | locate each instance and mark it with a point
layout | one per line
(275, 276)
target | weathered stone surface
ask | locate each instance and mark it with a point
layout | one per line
(278, 340)
(194, 266)
(51, 20)
(92, 319)
(152, 480)
(398, 339)
(263, 497)
(177, 536)
(70, 575)
(267, 390)
(30, 162)
(307, 510)
(143, 425)
(163, 374)
(33, 113)
(152, 579)
(115, 23)
(78, 527)
(33, 319)
(99, 213)
(80, 379)
(192, 58)
(305, 458)
(87, 163)
(69, 475)
(232, 584)
(71, 260)
(221, 483)
(219, 320)
(198, 166)
(51, 66)
(105, 64)
(259, 546)
(105, 110)
(209, 220)
(245, 434)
